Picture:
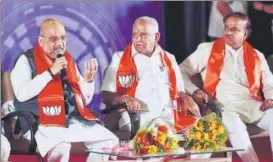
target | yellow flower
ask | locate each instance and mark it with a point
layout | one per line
(174, 146)
(198, 135)
(206, 146)
(212, 137)
(199, 126)
(161, 138)
(219, 130)
(152, 149)
(204, 136)
(212, 124)
(196, 146)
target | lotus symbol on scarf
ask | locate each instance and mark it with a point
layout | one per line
(127, 80)
(52, 110)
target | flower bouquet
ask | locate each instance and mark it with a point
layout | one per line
(207, 133)
(155, 137)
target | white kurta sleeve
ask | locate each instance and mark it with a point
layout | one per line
(267, 78)
(109, 79)
(194, 64)
(87, 89)
(23, 85)
(179, 79)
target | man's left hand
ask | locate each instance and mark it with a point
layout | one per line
(90, 69)
(267, 104)
(190, 105)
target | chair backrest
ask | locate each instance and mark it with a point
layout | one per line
(270, 62)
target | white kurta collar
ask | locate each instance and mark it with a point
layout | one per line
(231, 50)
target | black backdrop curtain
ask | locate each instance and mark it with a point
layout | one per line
(186, 26)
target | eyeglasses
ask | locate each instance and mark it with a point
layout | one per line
(54, 39)
(142, 35)
(233, 30)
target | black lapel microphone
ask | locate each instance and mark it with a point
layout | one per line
(60, 53)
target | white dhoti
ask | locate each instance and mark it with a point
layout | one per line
(239, 137)
(5, 148)
(58, 140)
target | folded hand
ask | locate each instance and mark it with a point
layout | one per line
(267, 104)
(132, 104)
(191, 106)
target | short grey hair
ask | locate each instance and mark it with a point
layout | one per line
(148, 19)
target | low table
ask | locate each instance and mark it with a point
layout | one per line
(180, 155)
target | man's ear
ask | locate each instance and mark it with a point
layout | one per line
(40, 40)
(246, 35)
(157, 37)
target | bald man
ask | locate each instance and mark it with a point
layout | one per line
(51, 87)
(147, 79)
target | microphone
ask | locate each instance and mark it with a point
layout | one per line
(60, 53)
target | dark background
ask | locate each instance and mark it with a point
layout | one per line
(186, 26)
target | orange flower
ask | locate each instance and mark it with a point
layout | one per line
(162, 129)
(139, 136)
(167, 147)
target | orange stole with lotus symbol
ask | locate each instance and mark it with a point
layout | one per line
(127, 81)
(51, 100)
(215, 64)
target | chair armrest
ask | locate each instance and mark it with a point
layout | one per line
(113, 118)
(109, 108)
(32, 123)
(215, 108)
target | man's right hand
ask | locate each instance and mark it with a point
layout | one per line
(58, 65)
(200, 97)
(132, 104)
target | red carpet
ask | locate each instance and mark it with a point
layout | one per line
(82, 158)
(30, 158)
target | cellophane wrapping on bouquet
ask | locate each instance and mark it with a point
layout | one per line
(208, 133)
(155, 137)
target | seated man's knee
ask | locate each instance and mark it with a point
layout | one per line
(269, 112)
(119, 123)
(232, 122)
(65, 146)
(60, 151)
(5, 148)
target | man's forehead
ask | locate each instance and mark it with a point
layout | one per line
(147, 27)
(233, 21)
(54, 30)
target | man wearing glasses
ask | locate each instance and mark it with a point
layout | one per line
(46, 81)
(235, 74)
(147, 80)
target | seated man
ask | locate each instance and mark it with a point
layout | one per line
(52, 88)
(146, 79)
(235, 74)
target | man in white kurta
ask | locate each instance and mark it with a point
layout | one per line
(153, 87)
(152, 94)
(55, 141)
(233, 87)
(153, 80)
